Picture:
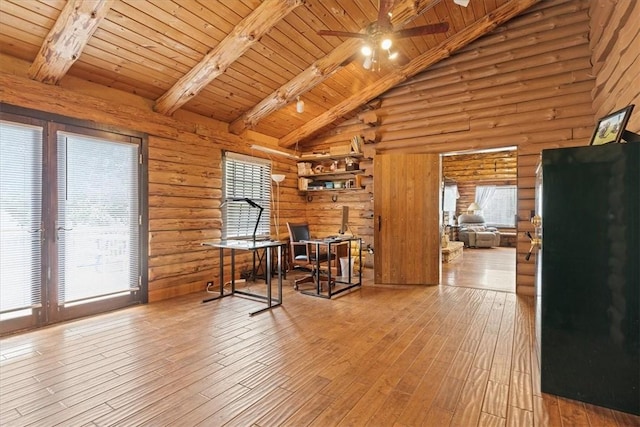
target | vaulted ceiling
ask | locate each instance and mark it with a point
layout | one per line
(242, 62)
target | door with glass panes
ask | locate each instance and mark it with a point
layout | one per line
(70, 224)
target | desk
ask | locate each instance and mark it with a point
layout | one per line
(337, 284)
(246, 245)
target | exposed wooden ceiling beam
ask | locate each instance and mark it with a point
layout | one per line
(246, 33)
(442, 51)
(405, 12)
(69, 35)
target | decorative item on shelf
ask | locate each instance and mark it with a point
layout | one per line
(303, 184)
(318, 169)
(351, 164)
(356, 144)
(304, 168)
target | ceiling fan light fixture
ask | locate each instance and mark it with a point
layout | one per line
(366, 50)
(386, 43)
(463, 3)
(368, 62)
(392, 55)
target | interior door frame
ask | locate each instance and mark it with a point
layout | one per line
(514, 148)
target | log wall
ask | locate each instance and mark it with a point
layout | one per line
(614, 35)
(184, 172)
(528, 84)
(185, 190)
(471, 170)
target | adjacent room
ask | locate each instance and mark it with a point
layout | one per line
(479, 213)
(319, 212)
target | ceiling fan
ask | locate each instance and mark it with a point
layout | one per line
(380, 34)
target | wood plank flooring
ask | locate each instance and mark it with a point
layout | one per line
(378, 356)
(482, 268)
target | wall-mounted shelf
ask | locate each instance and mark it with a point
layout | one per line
(327, 176)
(330, 172)
(321, 157)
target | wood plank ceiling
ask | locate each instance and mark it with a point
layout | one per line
(242, 62)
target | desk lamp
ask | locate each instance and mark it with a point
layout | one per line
(254, 205)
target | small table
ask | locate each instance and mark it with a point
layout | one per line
(452, 251)
(342, 283)
(247, 245)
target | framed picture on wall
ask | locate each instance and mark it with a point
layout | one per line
(610, 127)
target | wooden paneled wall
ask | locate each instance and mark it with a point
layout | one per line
(614, 38)
(183, 166)
(185, 191)
(470, 170)
(528, 84)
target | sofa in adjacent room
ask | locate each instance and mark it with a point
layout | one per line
(475, 233)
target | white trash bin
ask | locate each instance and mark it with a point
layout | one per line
(345, 266)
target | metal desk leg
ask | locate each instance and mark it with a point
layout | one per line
(221, 277)
(269, 283)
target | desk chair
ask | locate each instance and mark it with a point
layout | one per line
(304, 254)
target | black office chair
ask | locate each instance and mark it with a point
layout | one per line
(304, 254)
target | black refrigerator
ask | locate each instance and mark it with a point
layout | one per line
(590, 275)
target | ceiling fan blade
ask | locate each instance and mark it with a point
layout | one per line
(442, 27)
(342, 34)
(384, 20)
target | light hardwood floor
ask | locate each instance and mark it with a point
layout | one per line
(378, 356)
(482, 268)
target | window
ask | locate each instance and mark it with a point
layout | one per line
(499, 210)
(247, 181)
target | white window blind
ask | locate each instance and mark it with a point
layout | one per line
(20, 218)
(500, 209)
(245, 178)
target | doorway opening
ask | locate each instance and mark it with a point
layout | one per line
(479, 214)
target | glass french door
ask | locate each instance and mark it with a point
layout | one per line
(97, 224)
(71, 223)
(21, 224)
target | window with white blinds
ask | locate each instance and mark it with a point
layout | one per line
(20, 219)
(500, 209)
(246, 179)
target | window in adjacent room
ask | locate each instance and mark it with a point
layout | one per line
(499, 209)
(246, 179)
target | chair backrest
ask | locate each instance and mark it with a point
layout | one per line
(470, 219)
(298, 232)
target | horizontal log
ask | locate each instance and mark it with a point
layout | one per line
(539, 90)
(569, 45)
(183, 212)
(179, 258)
(160, 190)
(156, 201)
(184, 224)
(178, 246)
